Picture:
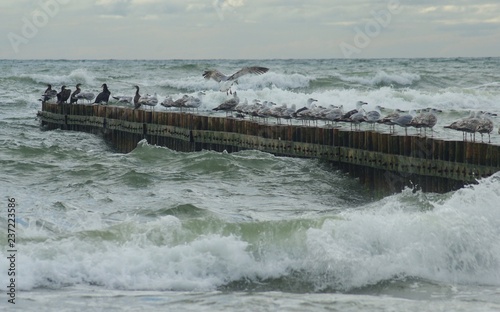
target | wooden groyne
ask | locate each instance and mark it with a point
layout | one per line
(383, 162)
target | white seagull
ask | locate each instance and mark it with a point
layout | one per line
(227, 81)
(229, 105)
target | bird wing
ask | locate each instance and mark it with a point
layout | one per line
(248, 70)
(215, 75)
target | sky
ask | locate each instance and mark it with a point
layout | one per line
(248, 29)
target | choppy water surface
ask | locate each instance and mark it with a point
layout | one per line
(160, 229)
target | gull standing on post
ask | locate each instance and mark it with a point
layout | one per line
(149, 100)
(194, 102)
(229, 80)
(404, 121)
(485, 126)
(229, 105)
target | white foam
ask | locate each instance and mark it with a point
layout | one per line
(248, 82)
(451, 238)
(79, 75)
(382, 77)
(156, 255)
(455, 242)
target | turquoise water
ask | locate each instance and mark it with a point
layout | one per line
(160, 229)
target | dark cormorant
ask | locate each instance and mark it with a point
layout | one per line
(103, 96)
(63, 96)
(74, 98)
(49, 94)
(137, 96)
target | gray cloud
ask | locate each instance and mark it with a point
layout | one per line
(250, 29)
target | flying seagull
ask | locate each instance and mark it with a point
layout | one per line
(229, 80)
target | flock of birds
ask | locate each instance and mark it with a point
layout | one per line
(424, 119)
(476, 122)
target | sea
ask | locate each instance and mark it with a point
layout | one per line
(86, 228)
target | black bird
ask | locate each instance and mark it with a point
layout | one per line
(74, 98)
(48, 94)
(136, 98)
(103, 96)
(63, 96)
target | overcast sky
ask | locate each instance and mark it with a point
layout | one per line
(248, 29)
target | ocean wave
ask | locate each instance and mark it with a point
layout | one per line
(448, 239)
(79, 75)
(249, 82)
(382, 78)
(432, 237)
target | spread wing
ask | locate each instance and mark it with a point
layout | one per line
(215, 75)
(248, 70)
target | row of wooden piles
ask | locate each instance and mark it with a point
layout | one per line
(377, 158)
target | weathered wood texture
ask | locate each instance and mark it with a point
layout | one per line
(382, 161)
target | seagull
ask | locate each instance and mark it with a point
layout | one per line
(149, 100)
(388, 120)
(228, 105)
(404, 120)
(373, 116)
(167, 102)
(85, 96)
(242, 107)
(302, 113)
(335, 114)
(229, 80)
(347, 115)
(426, 119)
(181, 102)
(103, 96)
(485, 125)
(194, 101)
(277, 112)
(288, 113)
(466, 125)
(48, 94)
(63, 96)
(357, 118)
(123, 99)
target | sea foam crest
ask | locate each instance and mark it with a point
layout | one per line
(451, 238)
(384, 78)
(79, 75)
(454, 242)
(156, 255)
